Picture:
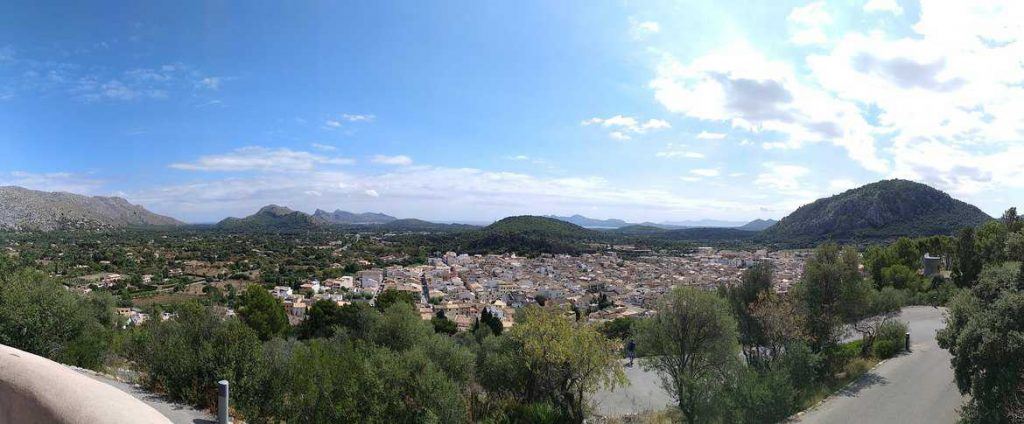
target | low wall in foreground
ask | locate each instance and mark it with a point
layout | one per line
(34, 390)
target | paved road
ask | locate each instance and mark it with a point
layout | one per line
(912, 388)
(178, 414)
(644, 393)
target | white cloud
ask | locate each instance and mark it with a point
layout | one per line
(808, 23)
(324, 147)
(704, 135)
(783, 178)
(53, 181)
(740, 86)
(675, 151)
(400, 160)
(372, 193)
(890, 6)
(642, 29)
(348, 117)
(706, 172)
(211, 83)
(948, 98)
(358, 117)
(841, 184)
(256, 158)
(624, 126)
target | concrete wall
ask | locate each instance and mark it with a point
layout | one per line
(34, 390)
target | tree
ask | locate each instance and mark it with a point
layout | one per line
(755, 281)
(780, 320)
(1011, 220)
(262, 312)
(983, 332)
(563, 361)
(991, 241)
(967, 263)
(390, 297)
(444, 325)
(831, 294)
(691, 341)
(491, 321)
(320, 320)
(38, 315)
(620, 328)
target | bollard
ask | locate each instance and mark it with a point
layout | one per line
(222, 402)
(908, 342)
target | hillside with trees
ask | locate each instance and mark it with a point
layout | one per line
(882, 210)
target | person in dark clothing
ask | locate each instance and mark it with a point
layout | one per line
(631, 351)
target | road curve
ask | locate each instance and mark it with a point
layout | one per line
(911, 388)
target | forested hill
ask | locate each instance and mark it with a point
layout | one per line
(526, 235)
(881, 210)
(24, 209)
(272, 218)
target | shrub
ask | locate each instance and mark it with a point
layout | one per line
(889, 339)
(885, 349)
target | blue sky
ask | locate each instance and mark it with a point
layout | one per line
(477, 110)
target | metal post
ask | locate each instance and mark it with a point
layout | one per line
(222, 402)
(908, 342)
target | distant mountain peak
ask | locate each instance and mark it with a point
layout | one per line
(276, 210)
(348, 218)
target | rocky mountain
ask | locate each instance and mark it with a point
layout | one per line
(24, 209)
(881, 210)
(348, 218)
(273, 218)
(757, 225)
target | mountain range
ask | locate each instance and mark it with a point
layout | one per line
(612, 223)
(24, 209)
(881, 210)
(348, 218)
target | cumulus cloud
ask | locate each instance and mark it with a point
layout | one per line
(624, 126)
(704, 135)
(890, 6)
(256, 158)
(948, 98)
(808, 23)
(785, 178)
(400, 160)
(740, 86)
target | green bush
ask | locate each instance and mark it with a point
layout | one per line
(885, 349)
(890, 339)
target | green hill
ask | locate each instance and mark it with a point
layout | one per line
(273, 218)
(527, 235)
(881, 210)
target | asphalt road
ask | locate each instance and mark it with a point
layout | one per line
(917, 387)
